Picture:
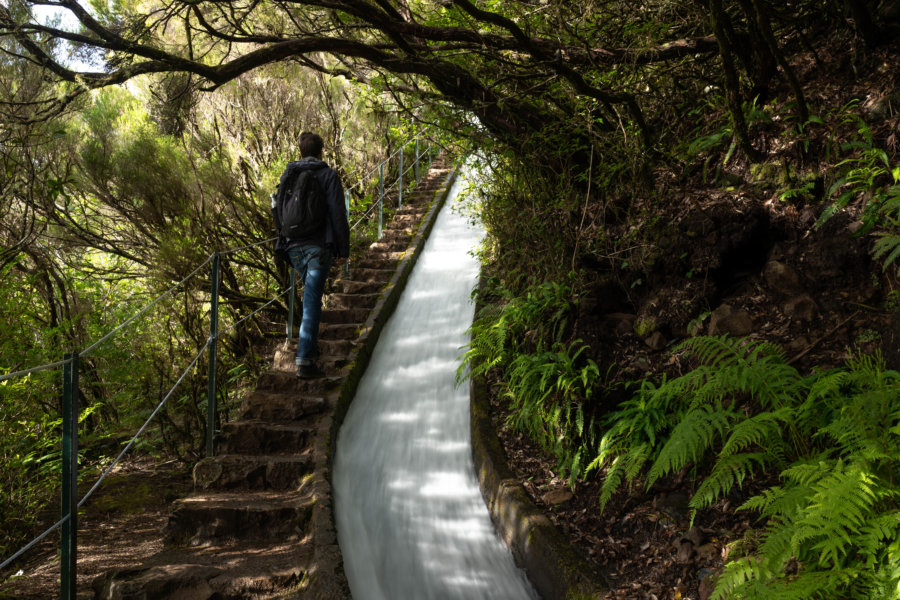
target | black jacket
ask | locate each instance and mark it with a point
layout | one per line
(336, 233)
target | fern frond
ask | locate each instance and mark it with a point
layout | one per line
(731, 366)
(761, 503)
(729, 471)
(635, 461)
(715, 351)
(829, 384)
(838, 509)
(762, 430)
(691, 439)
(735, 578)
(612, 481)
(887, 248)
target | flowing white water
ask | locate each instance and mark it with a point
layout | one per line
(411, 521)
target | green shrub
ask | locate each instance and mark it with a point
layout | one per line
(549, 390)
(830, 529)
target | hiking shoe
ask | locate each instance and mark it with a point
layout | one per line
(310, 372)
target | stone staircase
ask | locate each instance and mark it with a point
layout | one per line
(259, 524)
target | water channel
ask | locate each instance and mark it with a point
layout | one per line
(411, 521)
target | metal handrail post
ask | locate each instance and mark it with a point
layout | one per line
(400, 186)
(69, 528)
(347, 206)
(417, 159)
(211, 382)
(380, 198)
(292, 293)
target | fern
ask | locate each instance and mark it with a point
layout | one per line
(697, 432)
(734, 366)
(547, 393)
(729, 472)
(835, 436)
(887, 248)
(763, 430)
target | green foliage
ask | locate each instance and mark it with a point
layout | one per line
(513, 324)
(867, 174)
(124, 206)
(687, 420)
(548, 394)
(549, 390)
(831, 527)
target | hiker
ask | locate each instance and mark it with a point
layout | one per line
(313, 231)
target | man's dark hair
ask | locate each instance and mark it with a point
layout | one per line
(311, 145)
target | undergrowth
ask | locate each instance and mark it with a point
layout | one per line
(830, 527)
(549, 383)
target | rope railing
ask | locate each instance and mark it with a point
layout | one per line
(32, 370)
(402, 146)
(144, 310)
(248, 246)
(398, 182)
(147, 422)
(70, 388)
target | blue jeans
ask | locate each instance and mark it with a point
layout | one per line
(312, 264)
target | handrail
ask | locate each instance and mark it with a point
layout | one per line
(248, 246)
(33, 370)
(400, 148)
(31, 544)
(156, 301)
(68, 522)
(396, 181)
(134, 438)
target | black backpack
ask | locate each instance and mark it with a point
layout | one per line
(300, 204)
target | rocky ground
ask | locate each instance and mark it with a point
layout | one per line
(120, 526)
(726, 258)
(815, 292)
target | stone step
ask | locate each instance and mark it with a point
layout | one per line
(399, 230)
(390, 242)
(370, 275)
(286, 359)
(226, 516)
(330, 349)
(379, 263)
(404, 222)
(338, 331)
(409, 217)
(265, 570)
(349, 286)
(342, 301)
(277, 406)
(262, 437)
(287, 382)
(410, 210)
(346, 315)
(381, 260)
(238, 471)
(389, 246)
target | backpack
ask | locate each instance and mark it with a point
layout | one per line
(300, 204)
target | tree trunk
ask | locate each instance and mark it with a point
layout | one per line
(732, 89)
(864, 22)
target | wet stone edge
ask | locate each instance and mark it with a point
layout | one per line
(557, 571)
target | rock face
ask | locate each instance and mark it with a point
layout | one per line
(726, 319)
(802, 308)
(259, 524)
(782, 279)
(656, 341)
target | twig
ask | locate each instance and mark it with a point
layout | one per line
(815, 343)
(587, 196)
